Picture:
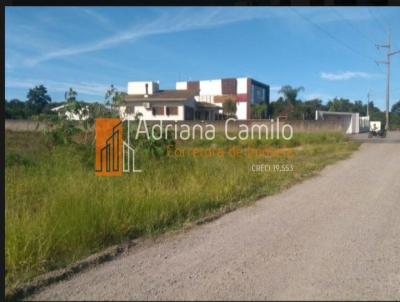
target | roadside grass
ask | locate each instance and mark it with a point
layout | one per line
(57, 210)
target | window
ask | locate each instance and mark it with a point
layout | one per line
(189, 113)
(130, 109)
(258, 94)
(172, 110)
(262, 94)
(158, 110)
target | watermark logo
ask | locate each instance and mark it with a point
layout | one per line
(114, 155)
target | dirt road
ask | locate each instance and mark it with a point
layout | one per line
(335, 236)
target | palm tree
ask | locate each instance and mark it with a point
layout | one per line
(70, 95)
(290, 93)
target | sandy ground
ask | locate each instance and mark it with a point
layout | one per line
(335, 236)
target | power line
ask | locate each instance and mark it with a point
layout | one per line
(334, 38)
(384, 24)
(389, 54)
(352, 26)
(355, 29)
(380, 23)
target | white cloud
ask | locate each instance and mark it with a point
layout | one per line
(174, 20)
(101, 19)
(164, 24)
(89, 88)
(347, 75)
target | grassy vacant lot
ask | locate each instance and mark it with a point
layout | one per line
(58, 211)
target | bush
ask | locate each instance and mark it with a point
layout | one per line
(15, 159)
(152, 147)
(59, 134)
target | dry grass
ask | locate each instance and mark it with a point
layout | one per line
(58, 211)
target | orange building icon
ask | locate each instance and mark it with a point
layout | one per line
(109, 147)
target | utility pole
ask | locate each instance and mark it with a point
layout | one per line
(389, 53)
(368, 103)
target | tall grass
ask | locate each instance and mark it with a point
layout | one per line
(58, 211)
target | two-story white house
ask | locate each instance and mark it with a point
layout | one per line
(192, 100)
(82, 114)
(244, 91)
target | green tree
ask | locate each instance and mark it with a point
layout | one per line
(73, 105)
(376, 114)
(229, 107)
(260, 110)
(340, 105)
(97, 110)
(396, 107)
(37, 99)
(277, 108)
(360, 108)
(70, 95)
(309, 107)
(114, 99)
(346, 105)
(394, 117)
(15, 109)
(290, 93)
(296, 112)
(288, 104)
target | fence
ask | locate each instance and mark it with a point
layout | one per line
(24, 125)
(297, 125)
(29, 125)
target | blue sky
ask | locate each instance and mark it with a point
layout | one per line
(329, 51)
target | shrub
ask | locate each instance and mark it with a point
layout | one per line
(15, 159)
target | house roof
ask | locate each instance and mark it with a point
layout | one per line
(204, 105)
(335, 112)
(162, 95)
(64, 104)
(58, 108)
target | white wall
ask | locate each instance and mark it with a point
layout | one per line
(76, 117)
(214, 87)
(241, 85)
(356, 122)
(181, 86)
(205, 98)
(69, 115)
(241, 110)
(147, 114)
(140, 87)
(211, 87)
(350, 122)
(364, 123)
(353, 122)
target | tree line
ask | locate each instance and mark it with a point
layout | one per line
(289, 106)
(39, 104)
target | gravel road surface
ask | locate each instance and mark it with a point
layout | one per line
(334, 236)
